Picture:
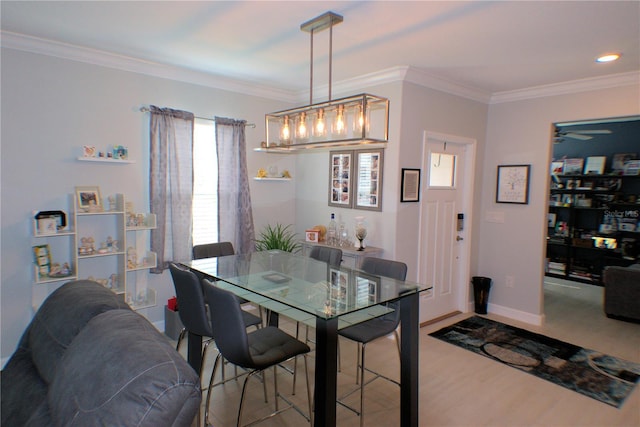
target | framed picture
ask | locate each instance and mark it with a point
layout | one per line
(88, 199)
(42, 259)
(410, 191)
(619, 159)
(573, 166)
(368, 179)
(341, 179)
(557, 167)
(513, 184)
(595, 165)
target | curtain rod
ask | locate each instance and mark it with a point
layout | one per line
(250, 125)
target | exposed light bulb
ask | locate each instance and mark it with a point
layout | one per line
(359, 121)
(285, 130)
(301, 129)
(339, 126)
(319, 128)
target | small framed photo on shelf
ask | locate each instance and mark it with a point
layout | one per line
(88, 199)
(573, 166)
(632, 167)
(42, 259)
(120, 152)
(557, 167)
(410, 191)
(595, 165)
(512, 184)
(619, 160)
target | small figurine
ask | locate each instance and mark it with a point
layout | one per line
(66, 269)
(112, 203)
(113, 281)
(132, 257)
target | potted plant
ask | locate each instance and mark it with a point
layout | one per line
(277, 237)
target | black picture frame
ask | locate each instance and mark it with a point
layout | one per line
(410, 187)
(512, 184)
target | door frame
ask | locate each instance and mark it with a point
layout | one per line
(464, 302)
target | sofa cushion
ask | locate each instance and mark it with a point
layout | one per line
(63, 314)
(121, 371)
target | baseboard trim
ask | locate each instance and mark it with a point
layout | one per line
(521, 316)
(439, 319)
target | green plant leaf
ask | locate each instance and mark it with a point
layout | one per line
(277, 237)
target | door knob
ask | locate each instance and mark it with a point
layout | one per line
(458, 238)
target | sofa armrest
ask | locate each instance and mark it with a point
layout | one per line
(622, 291)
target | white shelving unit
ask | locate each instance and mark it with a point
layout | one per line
(110, 247)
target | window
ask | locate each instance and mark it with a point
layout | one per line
(205, 183)
(442, 170)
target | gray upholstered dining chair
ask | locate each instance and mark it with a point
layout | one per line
(218, 249)
(256, 351)
(332, 256)
(213, 250)
(193, 312)
(378, 327)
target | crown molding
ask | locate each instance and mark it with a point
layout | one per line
(576, 86)
(423, 78)
(125, 63)
(395, 74)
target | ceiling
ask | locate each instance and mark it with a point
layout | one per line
(491, 47)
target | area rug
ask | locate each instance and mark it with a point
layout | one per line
(591, 373)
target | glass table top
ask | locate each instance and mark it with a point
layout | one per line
(304, 288)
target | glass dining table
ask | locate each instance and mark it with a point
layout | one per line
(327, 298)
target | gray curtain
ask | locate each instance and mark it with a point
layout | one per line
(235, 218)
(171, 184)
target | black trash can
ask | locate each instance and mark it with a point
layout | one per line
(481, 286)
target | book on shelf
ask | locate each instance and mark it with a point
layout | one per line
(573, 166)
(595, 165)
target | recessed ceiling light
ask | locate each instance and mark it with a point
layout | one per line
(609, 57)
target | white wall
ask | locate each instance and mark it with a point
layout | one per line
(520, 133)
(51, 108)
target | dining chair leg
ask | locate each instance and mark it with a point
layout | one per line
(275, 385)
(244, 390)
(309, 398)
(209, 390)
(362, 387)
(359, 365)
(295, 374)
(183, 332)
(264, 386)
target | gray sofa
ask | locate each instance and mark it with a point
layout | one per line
(87, 359)
(622, 292)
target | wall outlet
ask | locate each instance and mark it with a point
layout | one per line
(510, 281)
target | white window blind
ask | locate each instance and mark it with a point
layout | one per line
(205, 183)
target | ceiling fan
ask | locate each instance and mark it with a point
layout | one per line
(581, 135)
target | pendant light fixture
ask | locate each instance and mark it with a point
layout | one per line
(358, 120)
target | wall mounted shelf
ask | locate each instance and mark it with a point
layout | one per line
(105, 160)
(271, 179)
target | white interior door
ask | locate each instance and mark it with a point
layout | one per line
(444, 248)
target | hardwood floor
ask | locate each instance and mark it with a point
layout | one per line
(459, 388)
